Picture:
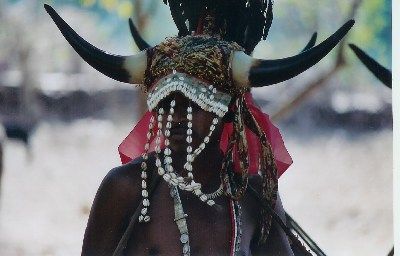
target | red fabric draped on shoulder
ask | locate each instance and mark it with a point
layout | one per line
(133, 145)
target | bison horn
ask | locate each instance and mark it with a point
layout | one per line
(127, 69)
(248, 71)
(382, 73)
(140, 42)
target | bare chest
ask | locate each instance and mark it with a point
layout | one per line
(210, 229)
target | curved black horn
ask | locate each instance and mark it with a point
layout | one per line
(267, 72)
(140, 42)
(382, 73)
(311, 43)
(109, 65)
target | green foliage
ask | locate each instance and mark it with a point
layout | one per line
(123, 8)
(374, 32)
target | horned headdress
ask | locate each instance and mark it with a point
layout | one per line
(209, 63)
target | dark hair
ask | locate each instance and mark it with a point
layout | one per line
(246, 21)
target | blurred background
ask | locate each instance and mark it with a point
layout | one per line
(64, 120)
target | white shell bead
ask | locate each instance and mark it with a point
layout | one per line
(145, 193)
(146, 218)
(210, 202)
(167, 177)
(146, 202)
(144, 211)
(188, 188)
(144, 185)
(189, 139)
(161, 171)
(195, 185)
(170, 169)
(141, 218)
(174, 182)
(144, 175)
(203, 198)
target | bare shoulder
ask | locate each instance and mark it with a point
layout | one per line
(122, 181)
(114, 203)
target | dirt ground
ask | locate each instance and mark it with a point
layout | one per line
(339, 188)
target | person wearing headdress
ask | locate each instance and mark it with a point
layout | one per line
(190, 161)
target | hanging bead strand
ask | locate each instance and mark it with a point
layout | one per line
(159, 166)
(170, 176)
(189, 157)
(144, 217)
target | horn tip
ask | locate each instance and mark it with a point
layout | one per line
(353, 46)
(350, 22)
(355, 49)
(47, 7)
(50, 10)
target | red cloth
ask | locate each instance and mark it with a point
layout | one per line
(133, 145)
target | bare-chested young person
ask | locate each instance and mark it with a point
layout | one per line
(190, 161)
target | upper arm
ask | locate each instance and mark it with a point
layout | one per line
(277, 242)
(115, 202)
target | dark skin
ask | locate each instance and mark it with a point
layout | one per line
(209, 227)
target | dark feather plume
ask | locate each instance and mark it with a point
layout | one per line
(246, 21)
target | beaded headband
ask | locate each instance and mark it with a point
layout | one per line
(205, 96)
